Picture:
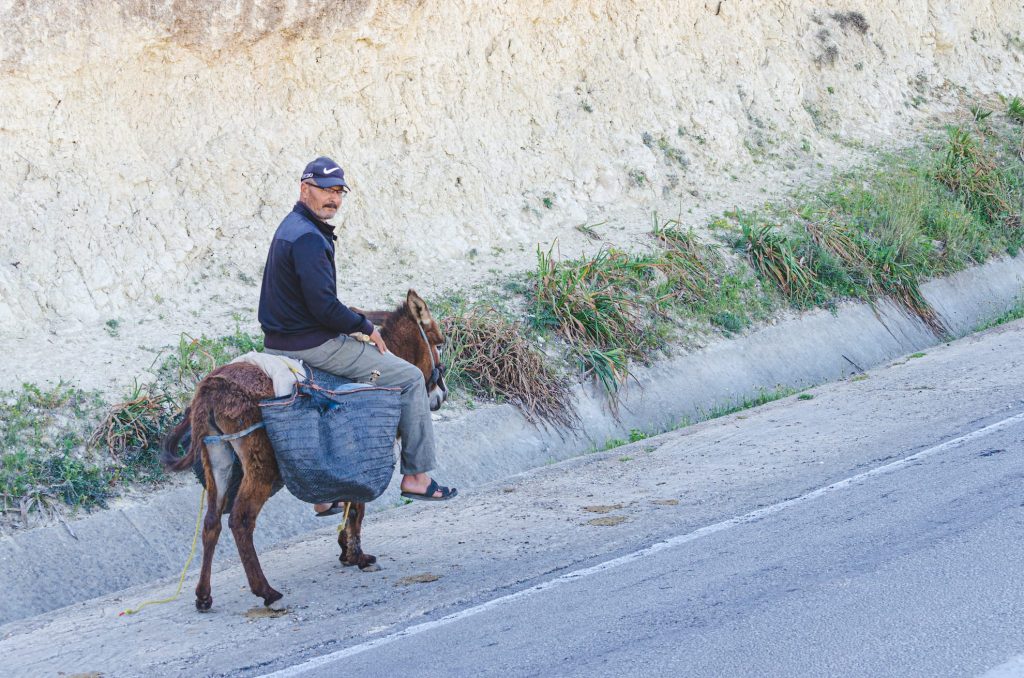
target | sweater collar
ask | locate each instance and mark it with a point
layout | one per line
(322, 225)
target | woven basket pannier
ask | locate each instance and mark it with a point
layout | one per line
(334, 443)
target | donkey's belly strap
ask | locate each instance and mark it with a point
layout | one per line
(234, 436)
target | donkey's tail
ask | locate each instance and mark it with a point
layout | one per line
(169, 445)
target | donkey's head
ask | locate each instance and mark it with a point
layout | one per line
(413, 334)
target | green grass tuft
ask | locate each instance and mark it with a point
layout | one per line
(596, 305)
(762, 398)
(773, 255)
(971, 170)
(1015, 110)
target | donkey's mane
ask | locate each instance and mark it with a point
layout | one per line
(386, 318)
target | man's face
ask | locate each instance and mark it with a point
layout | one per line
(323, 202)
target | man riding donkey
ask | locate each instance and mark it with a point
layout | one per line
(302, 317)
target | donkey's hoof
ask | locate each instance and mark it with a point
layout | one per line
(272, 597)
(369, 564)
(204, 604)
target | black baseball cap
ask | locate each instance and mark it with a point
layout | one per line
(325, 173)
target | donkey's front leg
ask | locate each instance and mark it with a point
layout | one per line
(350, 542)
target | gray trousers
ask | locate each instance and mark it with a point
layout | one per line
(354, 359)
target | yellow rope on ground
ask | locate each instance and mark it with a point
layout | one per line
(188, 562)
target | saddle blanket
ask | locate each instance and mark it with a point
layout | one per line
(285, 372)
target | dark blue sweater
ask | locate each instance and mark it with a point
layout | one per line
(299, 307)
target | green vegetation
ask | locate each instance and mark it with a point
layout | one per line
(1015, 110)
(673, 155)
(596, 306)
(67, 447)
(589, 231)
(1015, 313)
(44, 460)
(763, 398)
(971, 169)
(615, 307)
(700, 284)
(869, 234)
(882, 232)
(638, 177)
(193, 358)
(980, 113)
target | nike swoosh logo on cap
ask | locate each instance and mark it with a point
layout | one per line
(333, 169)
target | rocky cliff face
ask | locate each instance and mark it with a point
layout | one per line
(144, 143)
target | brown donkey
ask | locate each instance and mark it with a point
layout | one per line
(226, 402)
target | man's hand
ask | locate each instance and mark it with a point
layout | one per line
(379, 341)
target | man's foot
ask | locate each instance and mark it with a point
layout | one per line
(329, 509)
(423, 487)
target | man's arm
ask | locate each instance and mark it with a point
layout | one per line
(313, 267)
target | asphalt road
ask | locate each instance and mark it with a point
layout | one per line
(871, 530)
(911, 571)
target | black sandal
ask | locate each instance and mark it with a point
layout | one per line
(335, 508)
(446, 493)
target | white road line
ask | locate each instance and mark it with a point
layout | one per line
(1012, 668)
(672, 542)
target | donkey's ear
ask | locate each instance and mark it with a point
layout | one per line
(418, 308)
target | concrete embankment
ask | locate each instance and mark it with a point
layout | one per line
(58, 565)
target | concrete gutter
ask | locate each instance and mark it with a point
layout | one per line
(137, 542)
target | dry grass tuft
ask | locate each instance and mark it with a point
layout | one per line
(135, 424)
(491, 355)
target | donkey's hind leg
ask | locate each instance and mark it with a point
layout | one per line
(349, 539)
(254, 491)
(217, 463)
